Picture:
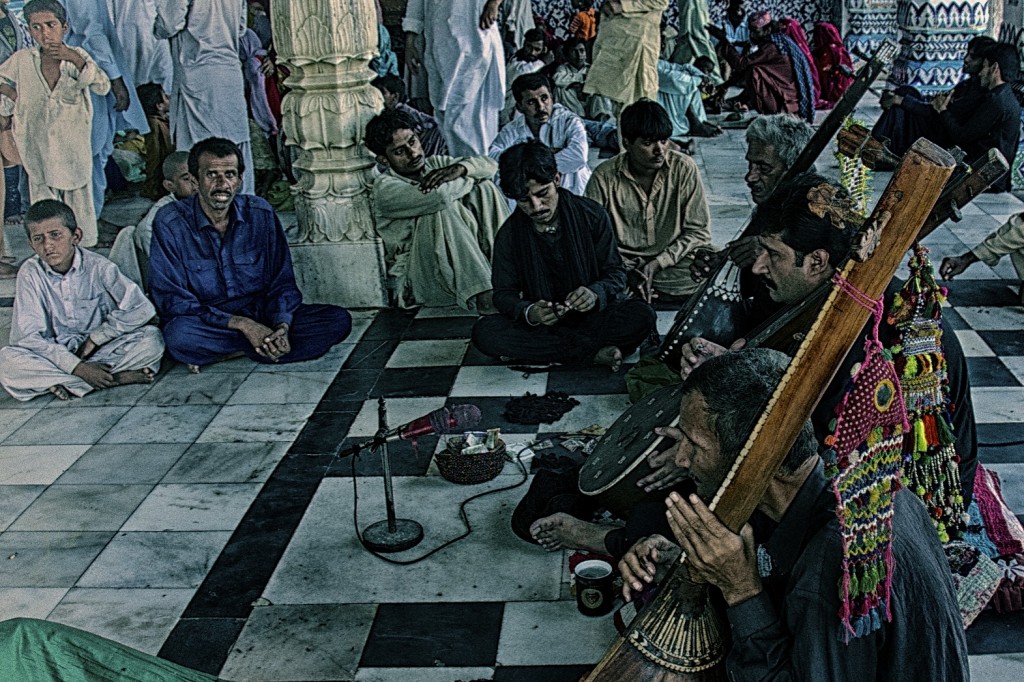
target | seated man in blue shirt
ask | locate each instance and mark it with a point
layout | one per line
(221, 274)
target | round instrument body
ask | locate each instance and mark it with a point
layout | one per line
(620, 458)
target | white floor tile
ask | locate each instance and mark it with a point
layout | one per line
(193, 506)
(602, 410)
(175, 424)
(324, 563)
(440, 674)
(400, 411)
(163, 560)
(29, 602)
(502, 382)
(436, 352)
(998, 405)
(987, 318)
(32, 465)
(257, 423)
(96, 507)
(282, 388)
(973, 345)
(552, 633)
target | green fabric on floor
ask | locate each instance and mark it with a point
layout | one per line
(649, 374)
(39, 651)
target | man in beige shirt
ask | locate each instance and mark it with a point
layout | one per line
(657, 203)
(1007, 239)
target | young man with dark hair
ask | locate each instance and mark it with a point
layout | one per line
(558, 276)
(541, 118)
(221, 276)
(437, 216)
(656, 201)
(78, 323)
(392, 88)
(995, 121)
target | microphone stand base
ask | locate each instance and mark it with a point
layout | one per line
(379, 538)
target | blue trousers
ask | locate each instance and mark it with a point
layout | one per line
(313, 331)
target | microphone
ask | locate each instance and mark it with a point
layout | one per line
(454, 419)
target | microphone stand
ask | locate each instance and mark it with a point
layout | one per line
(392, 534)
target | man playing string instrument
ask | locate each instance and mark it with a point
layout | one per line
(779, 575)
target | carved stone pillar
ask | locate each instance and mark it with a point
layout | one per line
(327, 45)
(869, 23)
(934, 42)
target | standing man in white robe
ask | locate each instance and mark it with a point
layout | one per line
(91, 28)
(208, 93)
(146, 58)
(458, 43)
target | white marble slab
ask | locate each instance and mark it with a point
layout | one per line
(593, 409)
(33, 465)
(324, 562)
(973, 345)
(330, 362)
(51, 559)
(144, 560)
(304, 642)
(75, 426)
(176, 424)
(986, 318)
(432, 353)
(12, 420)
(96, 507)
(14, 499)
(439, 674)
(998, 405)
(282, 388)
(29, 602)
(140, 618)
(497, 381)
(552, 633)
(193, 506)
(182, 388)
(1015, 364)
(124, 463)
(257, 423)
(227, 463)
(996, 666)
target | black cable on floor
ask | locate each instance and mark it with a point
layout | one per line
(1007, 444)
(462, 513)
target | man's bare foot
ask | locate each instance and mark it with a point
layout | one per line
(703, 129)
(60, 393)
(609, 356)
(561, 530)
(7, 271)
(135, 376)
(193, 369)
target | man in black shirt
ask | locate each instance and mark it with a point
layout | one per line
(995, 121)
(557, 274)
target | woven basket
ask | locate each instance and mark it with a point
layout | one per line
(468, 469)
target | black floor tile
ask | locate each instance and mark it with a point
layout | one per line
(995, 633)
(407, 458)
(241, 572)
(440, 328)
(992, 435)
(6, 302)
(990, 372)
(980, 292)
(323, 432)
(350, 386)
(406, 382)
(548, 673)
(452, 635)
(588, 380)
(954, 320)
(202, 644)
(1004, 342)
(390, 323)
(371, 354)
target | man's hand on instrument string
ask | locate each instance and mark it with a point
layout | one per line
(714, 554)
(954, 265)
(439, 176)
(581, 300)
(666, 472)
(743, 251)
(695, 351)
(646, 562)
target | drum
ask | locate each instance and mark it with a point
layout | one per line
(620, 458)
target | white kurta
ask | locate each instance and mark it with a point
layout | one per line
(130, 252)
(466, 70)
(438, 244)
(54, 314)
(208, 93)
(564, 133)
(146, 58)
(52, 130)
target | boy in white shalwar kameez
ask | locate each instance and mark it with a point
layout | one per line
(78, 323)
(47, 89)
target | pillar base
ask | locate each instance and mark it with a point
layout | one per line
(350, 274)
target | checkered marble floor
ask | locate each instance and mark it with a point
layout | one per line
(206, 519)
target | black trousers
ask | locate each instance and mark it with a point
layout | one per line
(573, 340)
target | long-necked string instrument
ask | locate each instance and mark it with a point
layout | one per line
(678, 635)
(713, 310)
